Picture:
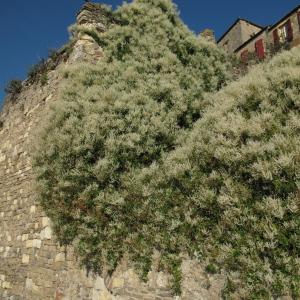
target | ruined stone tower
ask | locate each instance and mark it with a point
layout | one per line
(32, 265)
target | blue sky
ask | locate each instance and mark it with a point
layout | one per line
(28, 29)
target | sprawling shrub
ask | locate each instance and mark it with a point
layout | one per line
(230, 193)
(242, 67)
(36, 70)
(114, 120)
(122, 170)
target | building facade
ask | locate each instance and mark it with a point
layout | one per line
(237, 34)
(262, 40)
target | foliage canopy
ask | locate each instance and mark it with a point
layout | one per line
(13, 88)
(232, 188)
(137, 155)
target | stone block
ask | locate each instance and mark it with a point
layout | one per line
(29, 244)
(117, 283)
(99, 283)
(34, 243)
(45, 222)
(60, 257)
(32, 209)
(35, 289)
(37, 243)
(25, 259)
(8, 236)
(104, 295)
(6, 285)
(24, 237)
(7, 249)
(132, 278)
(46, 233)
(2, 158)
(162, 280)
(28, 284)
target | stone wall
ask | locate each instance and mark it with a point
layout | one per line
(32, 264)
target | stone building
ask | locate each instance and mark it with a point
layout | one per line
(237, 34)
(262, 40)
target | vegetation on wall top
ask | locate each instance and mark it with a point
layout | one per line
(13, 88)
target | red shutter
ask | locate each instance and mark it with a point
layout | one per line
(289, 30)
(259, 49)
(244, 56)
(276, 37)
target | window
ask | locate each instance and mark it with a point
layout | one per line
(276, 37)
(289, 30)
(259, 49)
(285, 32)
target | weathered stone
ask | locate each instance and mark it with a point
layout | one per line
(99, 283)
(29, 244)
(28, 284)
(104, 295)
(46, 233)
(163, 280)
(25, 259)
(24, 237)
(6, 285)
(45, 222)
(37, 243)
(132, 278)
(32, 209)
(2, 158)
(60, 257)
(117, 283)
